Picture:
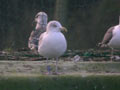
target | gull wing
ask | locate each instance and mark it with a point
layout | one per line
(108, 35)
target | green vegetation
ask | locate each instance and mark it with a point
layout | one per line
(99, 82)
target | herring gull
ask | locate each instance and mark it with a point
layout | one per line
(112, 38)
(52, 43)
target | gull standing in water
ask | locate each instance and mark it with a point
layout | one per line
(112, 38)
(52, 43)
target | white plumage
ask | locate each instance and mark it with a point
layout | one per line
(115, 40)
(52, 43)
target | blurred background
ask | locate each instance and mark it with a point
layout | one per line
(86, 20)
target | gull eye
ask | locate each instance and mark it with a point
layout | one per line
(54, 25)
(37, 16)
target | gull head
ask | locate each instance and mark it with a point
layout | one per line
(41, 18)
(55, 26)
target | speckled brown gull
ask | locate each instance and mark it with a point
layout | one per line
(41, 23)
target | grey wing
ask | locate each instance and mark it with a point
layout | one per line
(107, 36)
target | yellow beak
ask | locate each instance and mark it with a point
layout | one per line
(63, 29)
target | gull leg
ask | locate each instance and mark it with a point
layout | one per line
(48, 67)
(57, 65)
(112, 53)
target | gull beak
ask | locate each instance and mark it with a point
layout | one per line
(63, 29)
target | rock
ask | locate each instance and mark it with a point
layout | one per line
(77, 58)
